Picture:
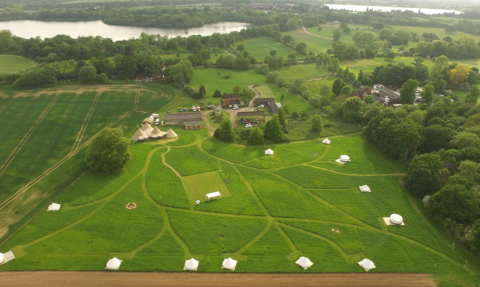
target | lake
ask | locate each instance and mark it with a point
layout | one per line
(28, 29)
(361, 8)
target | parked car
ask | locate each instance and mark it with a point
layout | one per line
(194, 109)
(198, 109)
(168, 111)
(261, 106)
(180, 110)
(184, 109)
(235, 107)
(190, 109)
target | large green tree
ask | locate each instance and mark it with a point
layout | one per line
(273, 129)
(423, 175)
(226, 132)
(317, 123)
(256, 136)
(108, 151)
(454, 202)
(407, 92)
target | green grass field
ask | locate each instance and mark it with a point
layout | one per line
(197, 186)
(261, 47)
(14, 64)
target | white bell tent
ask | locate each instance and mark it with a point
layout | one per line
(54, 207)
(326, 141)
(114, 263)
(367, 264)
(396, 219)
(1, 258)
(229, 263)
(191, 264)
(269, 152)
(365, 188)
(304, 262)
(344, 158)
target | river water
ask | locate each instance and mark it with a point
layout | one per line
(361, 8)
(28, 29)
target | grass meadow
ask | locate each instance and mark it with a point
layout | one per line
(261, 47)
(298, 202)
(14, 64)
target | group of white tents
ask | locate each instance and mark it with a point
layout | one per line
(231, 264)
(147, 132)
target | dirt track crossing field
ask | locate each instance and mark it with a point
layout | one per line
(75, 278)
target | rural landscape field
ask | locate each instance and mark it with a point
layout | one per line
(289, 118)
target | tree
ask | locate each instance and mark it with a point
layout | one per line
(474, 92)
(317, 123)
(295, 115)
(352, 109)
(459, 74)
(273, 76)
(454, 202)
(248, 95)
(423, 175)
(281, 116)
(262, 69)
(427, 94)
(273, 129)
(441, 63)
(439, 85)
(360, 76)
(273, 53)
(337, 34)
(334, 65)
(436, 138)
(475, 233)
(407, 92)
(256, 136)
(226, 132)
(217, 94)
(401, 140)
(237, 89)
(295, 86)
(108, 151)
(87, 75)
(389, 54)
(202, 90)
(346, 90)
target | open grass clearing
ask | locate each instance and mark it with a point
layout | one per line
(14, 64)
(197, 186)
(261, 47)
(190, 160)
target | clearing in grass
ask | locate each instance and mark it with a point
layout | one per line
(197, 186)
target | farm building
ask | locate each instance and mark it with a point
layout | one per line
(251, 114)
(336, 22)
(284, 6)
(179, 119)
(386, 96)
(269, 102)
(193, 125)
(230, 99)
(361, 93)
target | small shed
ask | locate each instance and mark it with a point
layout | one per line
(326, 141)
(269, 152)
(367, 264)
(54, 207)
(229, 263)
(213, 195)
(114, 263)
(191, 265)
(304, 262)
(364, 188)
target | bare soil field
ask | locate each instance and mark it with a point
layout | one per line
(76, 278)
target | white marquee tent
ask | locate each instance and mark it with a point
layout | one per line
(269, 152)
(191, 264)
(304, 262)
(139, 136)
(396, 219)
(344, 158)
(114, 263)
(229, 263)
(365, 188)
(213, 195)
(1, 258)
(54, 207)
(326, 141)
(367, 264)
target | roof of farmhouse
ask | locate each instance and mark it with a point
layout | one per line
(184, 117)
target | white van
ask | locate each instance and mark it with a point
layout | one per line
(157, 121)
(194, 109)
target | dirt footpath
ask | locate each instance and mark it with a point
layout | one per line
(79, 278)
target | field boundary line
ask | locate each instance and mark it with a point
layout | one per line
(85, 122)
(27, 135)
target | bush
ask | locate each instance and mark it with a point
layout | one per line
(256, 136)
(108, 151)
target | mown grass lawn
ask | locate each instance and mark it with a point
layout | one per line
(14, 64)
(261, 47)
(298, 202)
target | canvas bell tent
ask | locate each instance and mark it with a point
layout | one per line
(229, 263)
(191, 265)
(114, 263)
(326, 141)
(54, 207)
(367, 264)
(304, 262)
(269, 152)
